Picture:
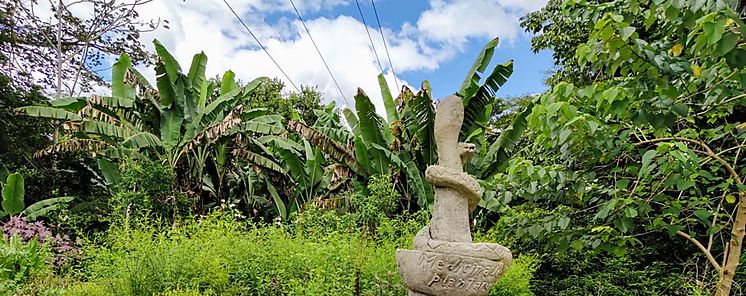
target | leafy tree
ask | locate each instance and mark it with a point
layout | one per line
(65, 53)
(646, 145)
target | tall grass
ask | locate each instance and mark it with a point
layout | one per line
(218, 256)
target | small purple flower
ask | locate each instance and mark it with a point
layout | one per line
(26, 231)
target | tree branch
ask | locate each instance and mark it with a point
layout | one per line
(701, 248)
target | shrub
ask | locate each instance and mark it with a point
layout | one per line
(378, 199)
(19, 261)
(218, 256)
(146, 189)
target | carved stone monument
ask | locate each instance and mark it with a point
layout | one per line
(444, 260)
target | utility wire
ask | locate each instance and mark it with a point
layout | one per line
(319, 52)
(384, 44)
(369, 38)
(262, 46)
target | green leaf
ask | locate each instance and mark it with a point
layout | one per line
(471, 82)
(172, 67)
(680, 109)
(171, 127)
(630, 212)
(228, 82)
(279, 204)
(44, 207)
(388, 100)
(118, 72)
(49, 112)
(142, 140)
(683, 184)
(703, 215)
(110, 172)
(726, 45)
(13, 194)
(197, 72)
(647, 158)
(626, 32)
(351, 120)
(477, 107)
(106, 129)
(370, 124)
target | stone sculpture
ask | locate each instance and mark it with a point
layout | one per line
(444, 260)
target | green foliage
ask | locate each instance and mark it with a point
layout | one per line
(379, 199)
(19, 261)
(146, 188)
(13, 192)
(319, 255)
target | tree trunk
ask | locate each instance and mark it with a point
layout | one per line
(734, 248)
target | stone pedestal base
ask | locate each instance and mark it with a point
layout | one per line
(442, 274)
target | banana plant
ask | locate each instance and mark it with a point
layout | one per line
(13, 193)
(404, 145)
(183, 115)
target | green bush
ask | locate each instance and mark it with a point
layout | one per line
(146, 189)
(19, 261)
(379, 198)
(218, 256)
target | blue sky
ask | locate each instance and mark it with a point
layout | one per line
(529, 69)
(435, 40)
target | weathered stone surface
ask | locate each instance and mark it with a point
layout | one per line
(445, 261)
(447, 274)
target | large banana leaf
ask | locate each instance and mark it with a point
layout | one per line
(370, 123)
(228, 83)
(352, 121)
(110, 172)
(258, 127)
(49, 112)
(477, 98)
(186, 99)
(13, 194)
(477, 109)
(113, 102)
(142, 140)
(332, 148)
(258, 159)
(221, 104)
(418, 117)
(388, 100)
(119, 87)
(497, 155)
(44, 207)
(166, 88)
(71, 104)
(294, 165)
(281, 143)
(279, 204)
(471, 83)
(171, 66)
(197, 72)
(106, 129)
(419, 186)
(171, 121)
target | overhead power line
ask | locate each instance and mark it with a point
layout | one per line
(262, 46)
(319, 52)
(369, 38)
(391, 65)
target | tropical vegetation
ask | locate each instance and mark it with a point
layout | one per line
(624, 178)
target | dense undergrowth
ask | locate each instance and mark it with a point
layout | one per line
(218, 256)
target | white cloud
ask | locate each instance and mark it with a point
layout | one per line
(456, 21)
(438, 34)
